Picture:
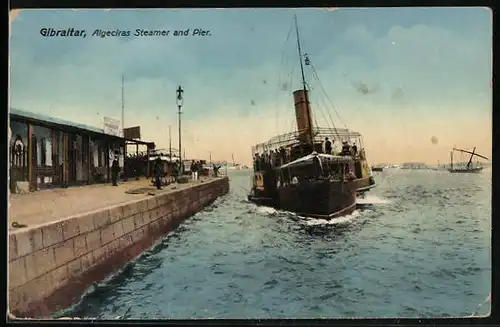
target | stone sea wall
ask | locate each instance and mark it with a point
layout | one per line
(50, 266)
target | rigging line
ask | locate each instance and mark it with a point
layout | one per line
(283, 56)
(334, 131)
(331, 104)
(324, 91)
(315, 120)
(326, 95)
(331, 120)
(310, 89)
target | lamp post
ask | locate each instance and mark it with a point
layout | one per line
(180, 100)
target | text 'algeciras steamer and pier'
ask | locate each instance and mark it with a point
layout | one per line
(138, 32)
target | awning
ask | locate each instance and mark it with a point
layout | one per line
(325, 158)
(163, 158)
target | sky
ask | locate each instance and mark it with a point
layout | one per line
(398, 76)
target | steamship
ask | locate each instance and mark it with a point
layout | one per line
(310, 182)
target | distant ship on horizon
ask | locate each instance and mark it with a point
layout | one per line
(236, 166)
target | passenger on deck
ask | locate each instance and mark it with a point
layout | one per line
(318, 169)
(283, 155)
(354, 149)
(350, 174)
(273, 159)
(256, 162)
(279, 161)
(345, 149)
(328, 146)
(262, 161)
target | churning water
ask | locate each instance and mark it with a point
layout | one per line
(417, 246)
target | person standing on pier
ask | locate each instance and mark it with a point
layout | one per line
(216, 170)
(115, 169)
(197, 168)
(158, 172)
(193, 169)
(175, 171)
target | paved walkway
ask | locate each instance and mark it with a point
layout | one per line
(41, 207)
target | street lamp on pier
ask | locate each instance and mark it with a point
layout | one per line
(180, 101)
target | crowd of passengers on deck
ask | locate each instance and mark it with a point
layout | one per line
(269, 159)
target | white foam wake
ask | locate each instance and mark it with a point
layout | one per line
(266, 210)
(335, 221)
(372, 199)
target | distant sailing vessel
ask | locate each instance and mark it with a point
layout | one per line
(470, 167)
(293, 173)
(236, 166)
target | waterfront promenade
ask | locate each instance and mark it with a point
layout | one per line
(77, 236)
(45, 206)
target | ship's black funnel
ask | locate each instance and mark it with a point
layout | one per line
(303, 115)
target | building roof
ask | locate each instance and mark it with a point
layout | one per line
(41, 117)
(44, 119)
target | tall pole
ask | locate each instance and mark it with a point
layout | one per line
(180, 142)
(179, 106)
(170, 141)
(304, 85)
(300, 53)
(123, 106)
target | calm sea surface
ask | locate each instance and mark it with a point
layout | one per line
(419, 246)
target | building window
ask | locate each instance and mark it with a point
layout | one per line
(43, 151)
(43, 141)
(18, 151)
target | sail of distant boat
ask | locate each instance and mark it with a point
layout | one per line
(469, 167)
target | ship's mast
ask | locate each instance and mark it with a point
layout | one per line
(471, 155)
(304, 84)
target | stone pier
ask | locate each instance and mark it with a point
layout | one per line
(52, 263)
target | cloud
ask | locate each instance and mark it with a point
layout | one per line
(414, 67)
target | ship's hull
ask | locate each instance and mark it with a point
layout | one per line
(263, 200)
(377, 169)
(471, 170)
(320, 199)
(364, 184)
(361, 185)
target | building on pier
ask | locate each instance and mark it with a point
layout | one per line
(47, 152)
